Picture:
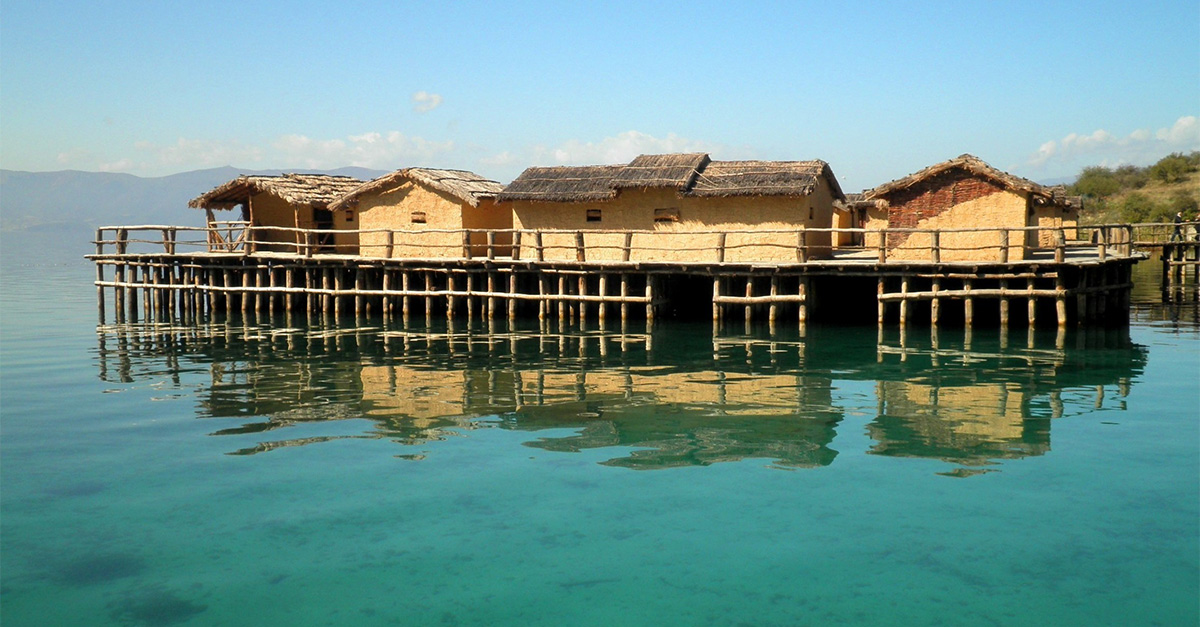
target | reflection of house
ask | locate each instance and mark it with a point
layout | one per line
(687, 418)
(967, 424)
(290, 201)
(965, 193)
(421, 199)
(674, 193)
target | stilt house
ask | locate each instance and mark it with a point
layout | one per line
(963, 193)
(426, 199)
(277, 205)
(680, 207)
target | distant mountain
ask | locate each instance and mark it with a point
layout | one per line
(74, 200)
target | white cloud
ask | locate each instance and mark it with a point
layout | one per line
(122, 165)
(385, 151)
(621, 148)
(1103, 148)
(504, 158)
(424, 101)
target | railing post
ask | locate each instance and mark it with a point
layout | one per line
(516, 248)
(883, 235)
(580, 254)
(721, 247)
(122, 241)
(1102, 248)
(935, 247)
(627, 250)
(1003, 245)
(308, 244)
(466, 244)
(390, 248)
(537, 244)
(491, 245)
(248, 240)
(802, 246)
(1060, 245)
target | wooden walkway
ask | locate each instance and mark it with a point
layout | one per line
(1070, 281)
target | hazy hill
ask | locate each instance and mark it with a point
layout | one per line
(74, 200)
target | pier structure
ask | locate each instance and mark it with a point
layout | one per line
(607, 276)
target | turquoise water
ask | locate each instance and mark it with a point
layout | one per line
(255, 472)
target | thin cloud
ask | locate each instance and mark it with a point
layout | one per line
(1103, 148)
(424, 101)
(620, 148)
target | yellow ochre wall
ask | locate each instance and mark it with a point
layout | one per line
(1054, 216)
(268, 210)
(393, 209)
(694, 238)
(1001, 209)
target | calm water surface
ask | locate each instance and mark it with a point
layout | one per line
(253, 471)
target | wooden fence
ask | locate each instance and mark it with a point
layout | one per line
(795, 246)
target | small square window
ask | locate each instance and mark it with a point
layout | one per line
(349, 215)
(666, 215)
(593, 215)
(418, 217)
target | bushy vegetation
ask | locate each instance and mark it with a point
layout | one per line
(1151, 194)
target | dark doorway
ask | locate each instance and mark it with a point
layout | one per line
(324, 221)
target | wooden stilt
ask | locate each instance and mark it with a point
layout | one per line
(1031, 303)
(968, 305)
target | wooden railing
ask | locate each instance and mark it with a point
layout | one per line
(978, 244)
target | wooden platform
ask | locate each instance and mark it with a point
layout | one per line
(1074, 282)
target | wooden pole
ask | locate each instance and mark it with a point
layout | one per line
(512, 291)
(649, 300)
(716, 297)
(749, 293)
(803, 293)
(1004, 306)
(968, 305)
(624, 293)
(1003, 245)
(802, 246)
(903, 301)
(1060, 301)
(1032, 303)
(935, 248)
(773, 308)
(603, 305)
(881, 304)
(934, 304)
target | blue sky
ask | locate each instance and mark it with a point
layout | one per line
(878, 90)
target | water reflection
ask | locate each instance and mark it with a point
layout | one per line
(678, 396)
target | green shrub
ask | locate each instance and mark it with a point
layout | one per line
(1172, 168)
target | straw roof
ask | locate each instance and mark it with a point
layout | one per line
(563, 184)
(763, 178)
(317, 190)
(466, 186)
(969, 163)
(692, 174)
(677, 170)
(859, 201)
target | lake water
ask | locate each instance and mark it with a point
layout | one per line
(254, 472)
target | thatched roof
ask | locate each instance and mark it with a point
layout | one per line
(465, 186)
(317, 190)
(859, 201)
(763, 178)
(969, 163)
(688, 174)
(677, 170)
(563, 184)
